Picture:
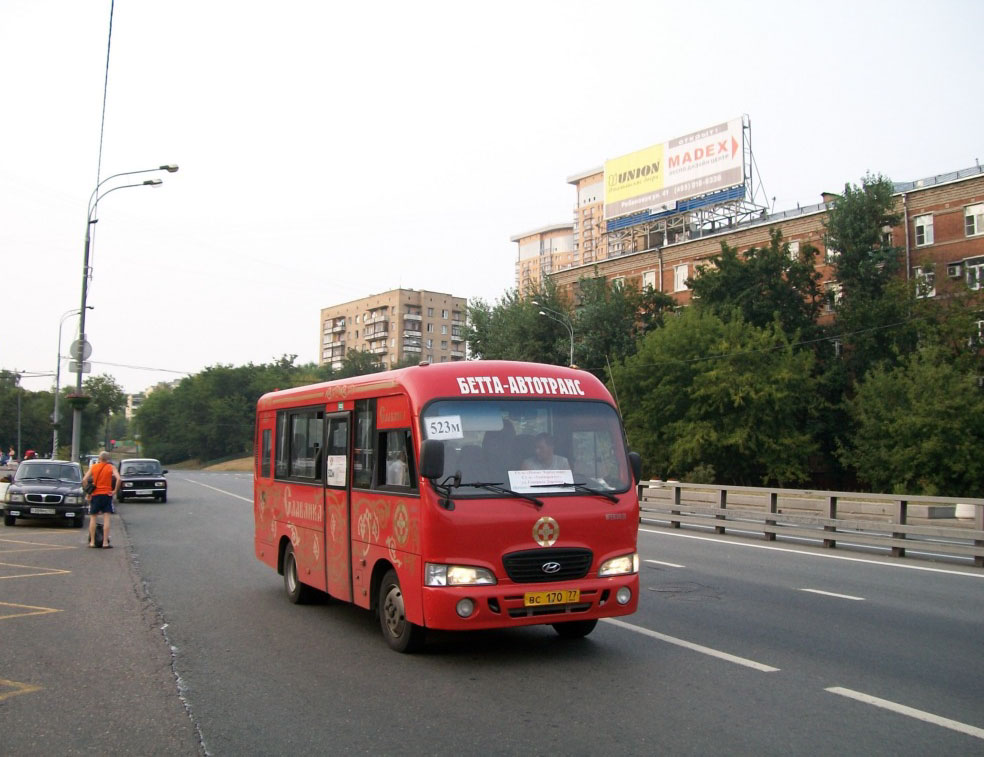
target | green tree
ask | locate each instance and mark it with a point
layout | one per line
(710, 398)
(763, 284)
(918, 427)
(513, 329)
(610, 318)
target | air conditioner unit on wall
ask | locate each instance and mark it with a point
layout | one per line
(953, 270)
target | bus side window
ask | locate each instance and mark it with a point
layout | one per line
(396, 448)
(265, 449)
(283, 448)
(363, 459)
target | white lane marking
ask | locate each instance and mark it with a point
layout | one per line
(813, 554)
(669, 564)
(694, 647)
(832, 594)
(222, 491)
(953, 725)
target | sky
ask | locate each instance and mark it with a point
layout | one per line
(329, 151)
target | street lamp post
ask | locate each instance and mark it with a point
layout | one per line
(56, 417)
(553, 315)
(94, 199)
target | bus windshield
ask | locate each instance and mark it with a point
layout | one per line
(536, 446)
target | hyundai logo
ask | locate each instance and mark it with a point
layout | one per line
(550, 567)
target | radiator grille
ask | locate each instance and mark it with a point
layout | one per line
(538, 565)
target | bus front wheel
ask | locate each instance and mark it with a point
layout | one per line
(298, 593)
(575, 629)
(400, 633)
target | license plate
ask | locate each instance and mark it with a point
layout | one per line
(556, 597)
(43, 511)
(144, 492)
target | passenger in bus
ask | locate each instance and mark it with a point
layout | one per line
(397, 472)
(544, 457)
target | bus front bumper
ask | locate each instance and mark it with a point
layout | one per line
(506, 605)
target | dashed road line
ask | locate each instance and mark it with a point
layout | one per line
(37, 610)
(832, 594)
(18, 688)
(668, 564)
(912, 712)
(812, 554)
(693, 647)
(216, 489)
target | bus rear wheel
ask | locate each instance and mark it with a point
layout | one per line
(575, 629)
(298, 593)
(400, 633)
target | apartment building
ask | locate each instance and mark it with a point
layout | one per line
(398, 326)
(941, 235)
(541, 252)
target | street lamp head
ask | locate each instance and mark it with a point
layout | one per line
(170, 168)
(153, 182)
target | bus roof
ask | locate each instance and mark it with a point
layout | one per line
(463, 378)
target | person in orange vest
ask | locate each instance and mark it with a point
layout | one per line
(106, 484)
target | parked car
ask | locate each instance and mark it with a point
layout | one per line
(142, 477)
(45, 489)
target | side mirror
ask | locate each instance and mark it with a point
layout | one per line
(636, 462)
(432, 458)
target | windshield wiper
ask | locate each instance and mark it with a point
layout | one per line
(581, 487)
(496, 486)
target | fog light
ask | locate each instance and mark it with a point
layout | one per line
(465, 608)
(623, 595)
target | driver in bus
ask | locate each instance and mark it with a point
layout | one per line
(544, 457)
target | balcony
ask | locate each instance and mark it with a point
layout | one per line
(379, 350)
(457, 353)
(338, 327)
(336, 343)
(376, 336)
(376, 318)
(412, 316)
(457, 338)
(411, 348)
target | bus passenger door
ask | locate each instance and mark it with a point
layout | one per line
(337, 478)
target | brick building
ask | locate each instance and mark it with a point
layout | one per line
(395, 327)
(941, 236)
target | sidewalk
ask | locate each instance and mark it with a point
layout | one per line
(84, 666)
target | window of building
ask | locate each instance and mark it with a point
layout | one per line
(925, 279)
(833, 292)
(430, 344)
(974, 219)
(680, 275)
(831, 255)
(357, 318)
(924, 230)
(974, 271)
(794, 250)
(430, 328)
(430, 358)
(618, 282)
(444, 344)
(444, 329)
(649, 280)
(444, 358)
(444, 314)
(430, 312)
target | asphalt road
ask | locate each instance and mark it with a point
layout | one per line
(733, 651)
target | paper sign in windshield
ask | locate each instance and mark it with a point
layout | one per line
(533, 481)
(444, 427)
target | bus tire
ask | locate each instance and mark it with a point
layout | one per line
(575, 629)
(400, 633)
(297, 592)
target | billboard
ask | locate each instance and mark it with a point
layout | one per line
(656, 177)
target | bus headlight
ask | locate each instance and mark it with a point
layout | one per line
(456, 575)
(620, 566)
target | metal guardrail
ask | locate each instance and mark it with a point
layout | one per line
(894, 521)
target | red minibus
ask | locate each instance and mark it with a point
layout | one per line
(459, 496)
